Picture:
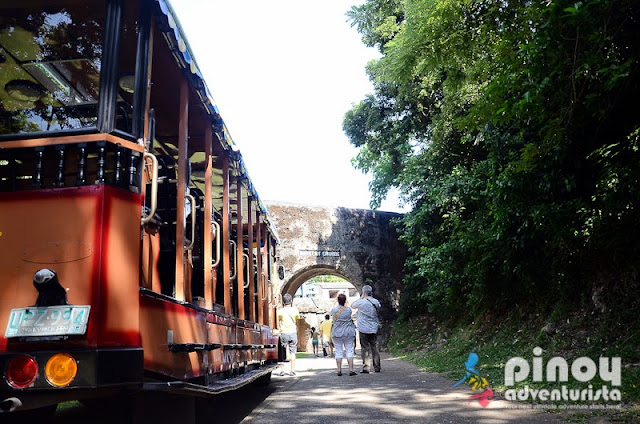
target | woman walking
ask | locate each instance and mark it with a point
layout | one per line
(343, 334)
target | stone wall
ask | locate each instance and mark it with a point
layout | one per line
(358, 245)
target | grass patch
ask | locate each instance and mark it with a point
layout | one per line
(71, 404)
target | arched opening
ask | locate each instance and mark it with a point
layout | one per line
(303, 275)
(315, 290)
(326, 288)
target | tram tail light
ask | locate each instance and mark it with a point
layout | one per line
(61, 369)
(22, 371)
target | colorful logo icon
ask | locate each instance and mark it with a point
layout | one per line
(476, 381)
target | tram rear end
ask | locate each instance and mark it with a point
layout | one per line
(70, 268)
(70, 199)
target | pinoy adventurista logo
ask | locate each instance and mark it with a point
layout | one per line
(477, 382)
(585, 390)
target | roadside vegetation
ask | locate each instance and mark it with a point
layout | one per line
(511, 130)
(443, 347)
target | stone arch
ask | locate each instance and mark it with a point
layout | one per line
(294, 282)
(355, 244)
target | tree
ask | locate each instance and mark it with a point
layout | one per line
(510, 130)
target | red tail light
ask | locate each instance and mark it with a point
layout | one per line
(22, 371)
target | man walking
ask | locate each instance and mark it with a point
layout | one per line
(287, 317)
(368, 325)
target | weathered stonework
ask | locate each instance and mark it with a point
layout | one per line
(358, 245)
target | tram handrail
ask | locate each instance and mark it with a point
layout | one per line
(263, 281)
(246, 266)
(154, 187)
(235, 260)
(217, 237)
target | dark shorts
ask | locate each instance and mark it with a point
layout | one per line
(290, 342)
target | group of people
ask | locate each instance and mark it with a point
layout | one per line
(338, 332)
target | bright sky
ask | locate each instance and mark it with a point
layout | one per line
(283, 73)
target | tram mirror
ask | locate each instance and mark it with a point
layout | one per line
(281, 272)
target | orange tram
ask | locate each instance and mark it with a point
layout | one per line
(135, 254)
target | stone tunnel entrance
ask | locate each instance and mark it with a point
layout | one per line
(317, 293)
(293, 283)
(359, 246)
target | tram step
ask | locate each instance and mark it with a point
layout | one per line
(221, 386)
(192, 347)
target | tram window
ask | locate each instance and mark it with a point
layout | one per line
(166, 210)
(164, 100)
(50, 57)
(127, 68)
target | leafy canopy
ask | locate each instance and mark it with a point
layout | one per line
(510, 129)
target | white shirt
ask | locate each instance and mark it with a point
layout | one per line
(367, 314)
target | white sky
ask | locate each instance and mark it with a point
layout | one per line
(283, 73)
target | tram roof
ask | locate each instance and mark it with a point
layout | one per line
(210, 105)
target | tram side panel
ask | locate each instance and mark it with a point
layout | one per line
(219, 331)
(270, 354)
(164, 323)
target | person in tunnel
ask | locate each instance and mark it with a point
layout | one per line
(325, 334)
(314, 340)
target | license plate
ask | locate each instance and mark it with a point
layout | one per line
(48, 321)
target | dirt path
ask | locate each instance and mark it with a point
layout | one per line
(400, 393)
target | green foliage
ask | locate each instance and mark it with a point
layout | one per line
(377, 20)
(327, 279)
(510, 128)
